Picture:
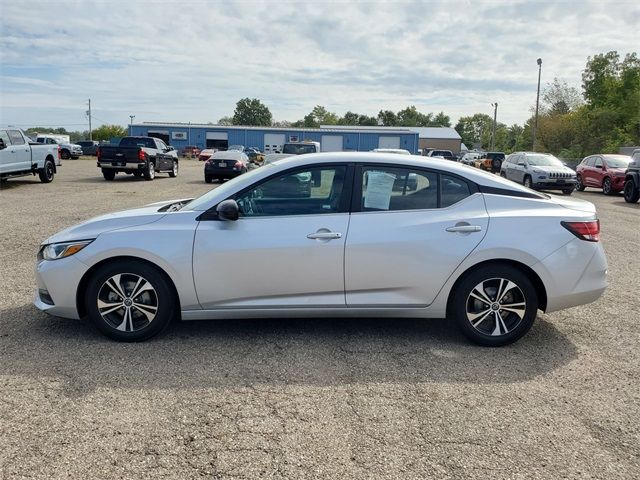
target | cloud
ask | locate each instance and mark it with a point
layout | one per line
(191, 61)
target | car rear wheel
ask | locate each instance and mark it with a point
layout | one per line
(579, 185)
(606, 187)
(494, 305)
(65, 154)
(208, 178)
(150, 172)
(108, 174)
(174, 171)
(631, 192)
(47, 172)
(130, 301)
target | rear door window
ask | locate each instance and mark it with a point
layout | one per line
(5, 137)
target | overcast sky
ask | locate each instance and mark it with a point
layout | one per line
(181, 61)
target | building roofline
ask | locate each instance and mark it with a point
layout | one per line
(387, 130)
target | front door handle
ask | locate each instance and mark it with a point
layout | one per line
(324, 236)
(464, 228)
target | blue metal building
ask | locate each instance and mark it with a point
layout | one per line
(269, 139)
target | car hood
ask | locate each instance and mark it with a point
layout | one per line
(551, 169)
(111, 221)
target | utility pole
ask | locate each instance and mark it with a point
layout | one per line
(493, 132)
(535, 121)
(89, 114)
(131, 124)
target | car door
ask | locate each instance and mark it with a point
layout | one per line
(586, 172)
(597, 172)
(17, 155)
(164, 161)
(517, 173)
(403, 245)
(507, 166)
(285, 250)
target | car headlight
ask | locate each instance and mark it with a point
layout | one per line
(55, 251)
(535, 170)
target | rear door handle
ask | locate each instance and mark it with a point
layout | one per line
(324, 236)
(464, 228)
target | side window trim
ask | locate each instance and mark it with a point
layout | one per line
(356, 199)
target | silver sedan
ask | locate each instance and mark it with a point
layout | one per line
(332, 234)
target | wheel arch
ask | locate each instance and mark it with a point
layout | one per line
(82, 285)
(538, 285)
(50, 157)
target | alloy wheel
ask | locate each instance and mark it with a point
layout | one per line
(606, 186)
(495, 306)
(127, 302)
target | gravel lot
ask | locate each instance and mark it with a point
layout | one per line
(301, 398)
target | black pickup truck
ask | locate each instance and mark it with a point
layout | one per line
(140, 156)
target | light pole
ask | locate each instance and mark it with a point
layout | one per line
(493, 132)
(535, 121)
(131, 124)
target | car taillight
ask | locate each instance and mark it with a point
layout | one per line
(589, 231)
(98, 153)
(141, 155)
(238, 164)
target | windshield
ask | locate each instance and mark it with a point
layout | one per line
(201, 203)
(299, 148)
(544, 161)
(617, 162)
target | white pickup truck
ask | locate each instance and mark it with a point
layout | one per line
(19, 156)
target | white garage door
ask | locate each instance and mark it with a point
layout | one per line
(217, 136)
(331, 143)
(389, 142)
(273, 142)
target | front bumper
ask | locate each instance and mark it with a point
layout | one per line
(554, 184)
(56, 286)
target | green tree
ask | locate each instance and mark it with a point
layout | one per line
(387, 118)
(559, 98)
(251, 111)
(107, 132)
(226, 121)
(411, 117)
(441, 120)
(475, 130)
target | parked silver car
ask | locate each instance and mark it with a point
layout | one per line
(539, 171)
(471, 246)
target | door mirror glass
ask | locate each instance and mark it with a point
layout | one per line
(2, 144)
(228, 210)
(521, 163)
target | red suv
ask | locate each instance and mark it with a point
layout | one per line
(602, 171)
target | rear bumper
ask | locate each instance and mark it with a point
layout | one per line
(221, 172)
(570, 281)
(122, 165)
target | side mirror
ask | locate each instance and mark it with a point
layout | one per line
(2, 145)
(521, 164)
(228, 210)
(598, 166)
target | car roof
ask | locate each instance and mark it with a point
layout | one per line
(473, 174)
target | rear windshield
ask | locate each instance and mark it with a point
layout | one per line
(137, 142)
(298, 149)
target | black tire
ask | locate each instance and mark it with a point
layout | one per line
(208, 178)
(463, 307)
(149, 172)
(108, 174)
(607, 188)
(527, 182)
(579, 185)
(567, 191)
(137, 174)
(631, 192)
(47, 172)
(65, 154)
(174, 171)
(134, 322)
(497, 165)
(503, 175)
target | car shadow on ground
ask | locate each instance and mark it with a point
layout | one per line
(628, 205)
(120, 178)
(236, 353)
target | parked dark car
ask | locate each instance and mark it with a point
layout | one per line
(139, 156)
(227, 164)
(602, 171)
(190, 151)
(89, 147)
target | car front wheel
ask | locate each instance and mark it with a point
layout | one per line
(494, 305)
(606, 187)
(631, 192)
(130, 301)
(527, 182)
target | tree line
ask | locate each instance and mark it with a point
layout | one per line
(602, 117)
